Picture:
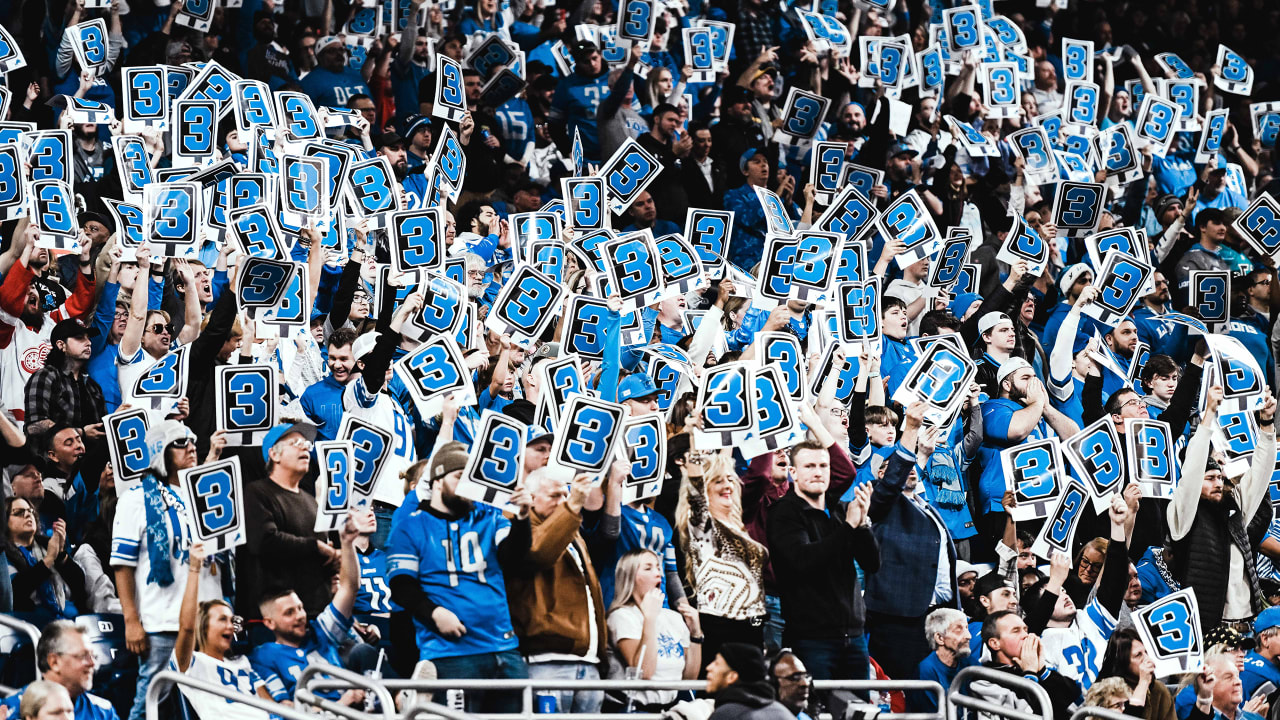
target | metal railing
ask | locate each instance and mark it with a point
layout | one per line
(1002, 679)
(314, 673)
(1097, 712)
(528, 688)
(166, 679)
(25, 628)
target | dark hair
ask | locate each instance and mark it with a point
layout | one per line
(890, 302)
(664, 108)
(1158, 365)
(351, 101)
(1026, 538)
(1209, 215)
(271, 596)
(1113, 404)
(991, 626)
(1115, 661)
(6, 506)
(470, 212)
(935, 320)
(342, 337)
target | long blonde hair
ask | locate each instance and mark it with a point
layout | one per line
(624, 577)
(719, 468)
(202, 619)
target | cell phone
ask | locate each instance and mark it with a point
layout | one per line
(1263, 690)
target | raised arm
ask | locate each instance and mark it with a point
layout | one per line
(131, 340)
(359, 522)
(185, 644)
(1186, 496)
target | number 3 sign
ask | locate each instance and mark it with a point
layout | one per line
(246, 402)
(216, 503)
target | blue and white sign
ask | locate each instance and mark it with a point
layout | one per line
(215, 501)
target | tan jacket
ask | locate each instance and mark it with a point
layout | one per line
(548, 597)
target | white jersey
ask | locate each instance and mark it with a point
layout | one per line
(236, 674)
(157, 605)
(382, 410)
(128, 370)
(1076, 651)
(20, 357)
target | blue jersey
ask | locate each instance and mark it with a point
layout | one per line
(455, 561)
(1164, 338)
(996, 415)
(333, 89)
(641, 529)
(322, 404)
(280, 664)
(576, 102)
(374, 596)
(517, 123)
(87, 706)
(1258, 670)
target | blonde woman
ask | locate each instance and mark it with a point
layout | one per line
(725, 566)
(663, 88)
(652, 642)
(45, 700)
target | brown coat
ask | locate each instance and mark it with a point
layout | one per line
(548, 597)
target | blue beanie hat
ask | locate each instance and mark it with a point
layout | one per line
(963, 302)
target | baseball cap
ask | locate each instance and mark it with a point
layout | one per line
(69, 329)
(746, 158)
(275, 434)
(1009, 367)
(763, 70)
(1267, 619)
(901, 147)
(329, 41)
(733, 95)
(1231, 637)
(546, 350)
(387, 139)
(583, 48)
(636, 386)
(990, 320)
(91, 216)
(989, 583)
(1071, 274)
(964, 567)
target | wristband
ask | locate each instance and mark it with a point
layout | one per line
(697, 640)
(86, 263)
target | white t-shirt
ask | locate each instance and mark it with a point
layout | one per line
(673, 640)
(157, 606)
(236, 674)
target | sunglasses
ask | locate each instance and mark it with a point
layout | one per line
(181, 443)
(162, 329)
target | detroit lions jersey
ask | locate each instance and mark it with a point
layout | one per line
(235, 673)
(517, 123)
(383, 411)
(576, 101)
(645, 529)
(1076, 650)
(455, 561)
(86, 706)
(280, 664)
(373, 596)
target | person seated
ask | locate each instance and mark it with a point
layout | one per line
(300, 641)
(46, 581)
(66, 665)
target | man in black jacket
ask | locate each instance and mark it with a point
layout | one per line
(1018, 652)
(813, 553)
(736, 678)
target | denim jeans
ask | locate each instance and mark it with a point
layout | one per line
(586, 701)
(382, 536)
(158, 653)
(505, 665)
(774, 625)
(834, 658)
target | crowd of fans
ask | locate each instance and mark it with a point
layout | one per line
(876, 543)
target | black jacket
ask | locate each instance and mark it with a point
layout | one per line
(813, 555)
(749, 701)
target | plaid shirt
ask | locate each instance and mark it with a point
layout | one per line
(755, 31)
(56, 395)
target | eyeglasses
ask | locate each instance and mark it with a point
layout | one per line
(1138, 400)
(181, 443)
(839, 412)
(796, 677)
(1162, 283)
(161, 329)
(476, 274)
(123, 313)
(86, 656)
(300, 443)
(363, 299)
(1086, 563)
(22, 512)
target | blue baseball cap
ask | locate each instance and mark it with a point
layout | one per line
(901, 147)
(746, 158)
(636, 386)
(306, 430)
(1267, 619)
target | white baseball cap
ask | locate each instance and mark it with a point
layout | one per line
(990, 320)
(1009, 367)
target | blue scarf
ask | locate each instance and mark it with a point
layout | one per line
(48, 599)
(159, 547)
